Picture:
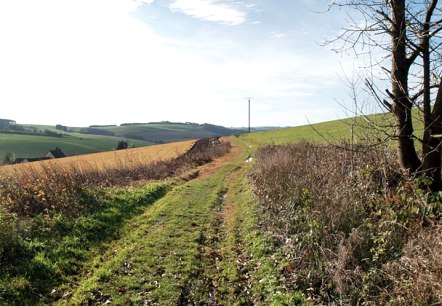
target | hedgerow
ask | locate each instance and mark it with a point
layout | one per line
(352, 229)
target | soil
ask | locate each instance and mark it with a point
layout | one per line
(219, 162)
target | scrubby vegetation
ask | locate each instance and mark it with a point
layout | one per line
(53, 219)
(333, 224)
(351, 229)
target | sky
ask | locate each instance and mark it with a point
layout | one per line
(85, 62)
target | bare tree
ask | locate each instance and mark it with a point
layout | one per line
(412, 28)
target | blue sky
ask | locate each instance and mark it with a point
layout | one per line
(82, 62)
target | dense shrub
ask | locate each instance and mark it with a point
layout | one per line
(346, 222)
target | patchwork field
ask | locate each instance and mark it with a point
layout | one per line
(33, 141)
(73, 144)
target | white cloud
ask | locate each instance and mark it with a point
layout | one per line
(278, 35)
(210, 10)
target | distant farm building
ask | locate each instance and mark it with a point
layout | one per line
(52, 154)
(56, 153)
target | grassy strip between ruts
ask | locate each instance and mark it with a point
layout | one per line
(200, 244)
(239, 266)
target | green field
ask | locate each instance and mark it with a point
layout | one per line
(364, 127)
(75, 144)
(315, 132)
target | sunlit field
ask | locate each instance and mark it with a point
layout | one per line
(107, 160)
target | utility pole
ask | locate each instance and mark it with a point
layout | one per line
(249, 110)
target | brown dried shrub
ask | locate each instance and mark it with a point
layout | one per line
(54, 189)
(338, 216)
(416, 277)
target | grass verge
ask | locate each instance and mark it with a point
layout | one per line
(50, 249)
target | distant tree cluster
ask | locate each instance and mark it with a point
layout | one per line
(122, 145)
(101, 126)
(96, 131)
(216, 129)
(135, 123)
(9, 158)
(61, 128)
(15, 127)
(5, 123)
(51, 133)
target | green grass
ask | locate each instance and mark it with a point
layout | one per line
(58, 246)
(75, 144)
(330, 130)
(159, 252)
(244, 271)
(335, 131)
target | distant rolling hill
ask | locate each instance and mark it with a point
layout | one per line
(164, 132)
(22, 145)
(26, 140)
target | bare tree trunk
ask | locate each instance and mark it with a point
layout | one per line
(402, 105)
(432, 120)
(432, 159)
(412, 32)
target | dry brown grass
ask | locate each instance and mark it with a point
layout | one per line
(108, 160)
(350, 228)
(60, 186)
(416, 276)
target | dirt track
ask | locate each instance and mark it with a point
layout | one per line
(218, 163)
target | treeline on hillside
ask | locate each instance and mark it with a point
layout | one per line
(216, 129)
(159, 122)
(96, 131)
(25, 130)
(153, 131)
(8, 126)
(350, 228)
(100, 126)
